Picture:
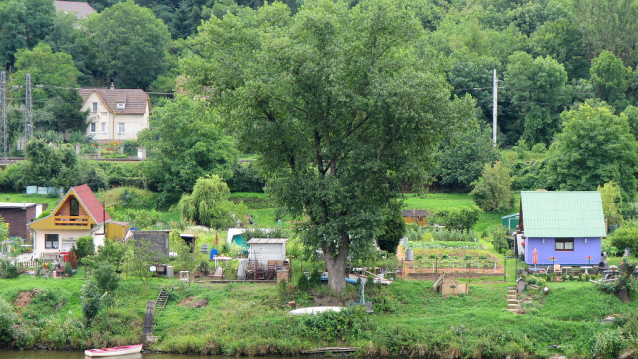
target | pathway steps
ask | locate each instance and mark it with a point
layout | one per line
(513, 304)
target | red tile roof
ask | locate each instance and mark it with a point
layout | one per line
(136, 100)
(91, 203)
(81, 9)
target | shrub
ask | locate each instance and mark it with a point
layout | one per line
(303, 283)
(315, 278)
(84, 247)
(246, 178)
(499, 239)
(8, 270)
(492, 190)
(7, 319)
(461, 218)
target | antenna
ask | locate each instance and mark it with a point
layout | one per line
(28, 113)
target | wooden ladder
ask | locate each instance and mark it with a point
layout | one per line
(161, 300)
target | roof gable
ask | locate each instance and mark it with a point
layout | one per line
(562, 214)
(136, 100)
(91, 203)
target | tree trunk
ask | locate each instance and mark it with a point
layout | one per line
(337, 268)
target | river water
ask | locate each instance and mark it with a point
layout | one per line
(77, 354)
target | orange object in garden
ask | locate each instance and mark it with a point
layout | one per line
(535, 257)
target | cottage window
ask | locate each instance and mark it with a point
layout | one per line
(75, 207)
(94, 106)
(103, 127)
(564, 244)
(93, 127)
(121, 128)
(51, 241)
(120, 106)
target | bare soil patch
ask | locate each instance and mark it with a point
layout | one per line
(193, 302)
(24, 298)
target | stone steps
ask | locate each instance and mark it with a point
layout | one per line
(513, 304)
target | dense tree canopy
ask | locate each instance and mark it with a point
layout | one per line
(24, 24)
(594, 148)
(130, 44)
(336, 102)
(186, 142)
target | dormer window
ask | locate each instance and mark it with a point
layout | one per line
(120, 105)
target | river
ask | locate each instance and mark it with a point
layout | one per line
(77, 354)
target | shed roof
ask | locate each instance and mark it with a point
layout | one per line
(21, 205)
(267, 240)
(562, 214)
(415, 213)
(91, 203)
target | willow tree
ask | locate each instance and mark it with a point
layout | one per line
(340, 103)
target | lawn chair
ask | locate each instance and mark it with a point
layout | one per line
(219, 273)
(557, 268)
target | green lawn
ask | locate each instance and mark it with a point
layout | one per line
(29, 198)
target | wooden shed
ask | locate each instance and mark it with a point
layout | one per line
(418, 216)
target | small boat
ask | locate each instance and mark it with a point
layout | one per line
(110, 352)
(375, 278)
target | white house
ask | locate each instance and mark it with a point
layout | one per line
(115, 114)
(263, 250)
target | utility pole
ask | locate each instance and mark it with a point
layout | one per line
(28, 114)
(494, 107)
(3, 113)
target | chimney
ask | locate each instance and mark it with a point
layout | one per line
(112, 86)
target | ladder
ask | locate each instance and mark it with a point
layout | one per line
(161, 300)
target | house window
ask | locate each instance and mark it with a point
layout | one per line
(103, 127)
(75, 207)
(564, 244)
(121, 128)
(94, 106)
(93, 127)
(120, 106)
(51, 241)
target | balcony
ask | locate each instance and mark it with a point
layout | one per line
(72, 221)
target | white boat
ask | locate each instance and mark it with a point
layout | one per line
(314, 310)
(114, 351)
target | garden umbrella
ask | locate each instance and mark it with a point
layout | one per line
(535, 257)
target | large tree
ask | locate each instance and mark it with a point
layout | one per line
(24, 24)
(130, 44)
(186, 142)
(594, 148)
(338, 101)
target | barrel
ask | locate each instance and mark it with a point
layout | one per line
(409, 256)
(213, 253)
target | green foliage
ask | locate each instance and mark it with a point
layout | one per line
(492, 192)
(499, 239)
(336, 163)
(610, 78)
(84, 247)
(246, 178)
(139, 218)
(330, 326)
(7, 320)
(609, 344)
(8, 270)
(130, 197)
(612, 201)
(463, 156)
(315, 278)
(25, 23)
(302, 283)
(392, 230)
(130, 44)
(208, 205)
(445, 244)
(90, 299)
(186, 142)
(626, 237)
(138, 258)
(594, 148)
(460, 218)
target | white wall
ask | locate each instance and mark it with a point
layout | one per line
(39, 238)
(267, 252)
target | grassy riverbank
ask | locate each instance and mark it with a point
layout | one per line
(250, 319)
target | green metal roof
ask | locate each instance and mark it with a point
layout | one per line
(562, 214)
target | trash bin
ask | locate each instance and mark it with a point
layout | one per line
(409, 254)
(213, 253)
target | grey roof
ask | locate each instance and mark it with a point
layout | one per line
(267, 240)
(16, 205)
(562, 214)
(81, 9)
(415, 213)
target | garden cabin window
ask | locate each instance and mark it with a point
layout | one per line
(51, 241)
(75, 207)
(564, 244)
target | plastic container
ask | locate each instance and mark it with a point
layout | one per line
(213, 253)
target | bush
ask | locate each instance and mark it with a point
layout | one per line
(7, 319)
(303, 283)
(84, 247)
(246, 178)
(461, 218)
(8, 270)
(492, 192)
(499, 239)
(315, 278)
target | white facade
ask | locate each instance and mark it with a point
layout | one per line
(66, 239)
(105, 124)
(267, 249)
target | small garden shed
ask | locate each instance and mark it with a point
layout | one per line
(561, 227)
(267, 249)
